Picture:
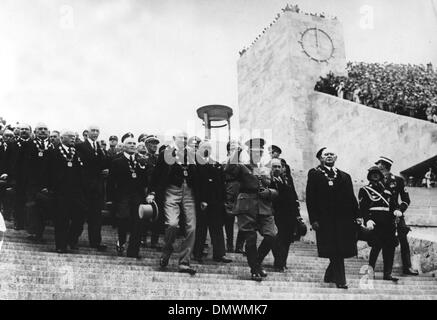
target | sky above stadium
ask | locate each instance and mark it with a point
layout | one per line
(145, 66)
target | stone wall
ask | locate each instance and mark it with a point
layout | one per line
(361, 134)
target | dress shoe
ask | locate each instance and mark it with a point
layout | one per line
(328, 280)
(99, 247)
(61, 251)
(143, 244)
(239, 250)
(230, 248)
(120, 248)
(256, 277)
(370, 272)
(186, 269)
(163, 262)
(199, 260)
(278, 269)
(18, 227)
(262, 273)
(155, 246)
(223, 260)
(390, 278)
(342, 286)
(411, 272)
(74, 247)
(135, 256)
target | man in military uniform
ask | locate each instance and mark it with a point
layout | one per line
(151, 143)
(254, 207)
(332, 210)
(374, 200)
(396, 185)
(232, 186)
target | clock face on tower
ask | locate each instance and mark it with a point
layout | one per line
(317, 44)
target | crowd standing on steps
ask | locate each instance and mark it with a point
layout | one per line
(179, 190)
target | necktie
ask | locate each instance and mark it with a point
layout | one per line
(94, 145)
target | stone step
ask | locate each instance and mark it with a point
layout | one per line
(146, 288)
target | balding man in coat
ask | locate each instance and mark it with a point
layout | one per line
(94, 166)
(333, 210)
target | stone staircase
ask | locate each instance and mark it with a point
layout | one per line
(34, 271)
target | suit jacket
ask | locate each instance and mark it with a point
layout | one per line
(33, 165)
(161, 176)
(93, 164)
(335, 208)
(64, 181)
(286, 205)
(212, 185)
(18, 165)
(121, 184)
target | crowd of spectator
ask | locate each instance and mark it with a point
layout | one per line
(405, 89)
(287, 8)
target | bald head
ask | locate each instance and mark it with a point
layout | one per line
(41, 131)
(93, 132)
(68, 137)
(180, 138)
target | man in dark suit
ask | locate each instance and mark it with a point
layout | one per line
(6, 202)
(65, 180)
(286, 212)
(127, 184)
(94, 166)
(34, 164)
(212, 210)
(175, 185)
(333, 210)
(20, 171)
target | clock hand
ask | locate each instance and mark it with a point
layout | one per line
(317, 39)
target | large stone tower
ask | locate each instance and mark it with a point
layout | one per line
(277, 75)
(276, 79)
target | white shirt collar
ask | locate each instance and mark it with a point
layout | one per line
(128, 156)
(92, 142)
(65, 147)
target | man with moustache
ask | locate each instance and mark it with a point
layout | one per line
(254, 207)
(94, 166)
(230, 170)
(175, 185)
(55, 138)
(65, 180)
(35, 162)
(333, 211)
(212, 211)
(127, 184)
(286, 212)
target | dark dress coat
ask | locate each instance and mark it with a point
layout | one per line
(335, 208)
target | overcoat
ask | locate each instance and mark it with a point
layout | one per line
(335, 208)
